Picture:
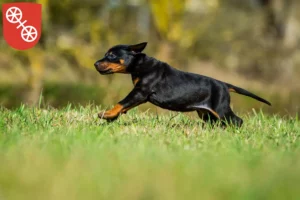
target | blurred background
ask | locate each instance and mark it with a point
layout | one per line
(254, 44)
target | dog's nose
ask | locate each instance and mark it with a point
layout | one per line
(96, 64)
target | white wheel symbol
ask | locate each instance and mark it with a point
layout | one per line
(29, 33)
(13, 15)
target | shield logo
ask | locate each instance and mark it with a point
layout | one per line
(22, 24)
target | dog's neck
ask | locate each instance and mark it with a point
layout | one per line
(148, 64)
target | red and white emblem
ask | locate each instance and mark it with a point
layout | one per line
(22, 24)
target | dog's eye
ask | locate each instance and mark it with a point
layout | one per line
(112, 56)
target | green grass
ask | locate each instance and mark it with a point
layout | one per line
(70, 154)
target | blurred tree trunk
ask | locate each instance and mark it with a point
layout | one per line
(35, 79)
(278, 15)
(36, 61)
(168, 21)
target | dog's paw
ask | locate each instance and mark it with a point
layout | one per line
(107, 116)
(101, 115)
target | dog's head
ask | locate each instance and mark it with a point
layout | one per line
(119, 58)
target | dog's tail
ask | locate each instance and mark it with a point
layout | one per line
(242, 91)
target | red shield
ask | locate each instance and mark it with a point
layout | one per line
(22, 24)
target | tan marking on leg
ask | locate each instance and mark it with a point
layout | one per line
(126, 109)
(210, 110)
(214, 113)
(113, 113)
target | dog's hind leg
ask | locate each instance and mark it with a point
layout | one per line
(231, 119)
(208, 115)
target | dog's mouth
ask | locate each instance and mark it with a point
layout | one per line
(106, 71)
(110, 68)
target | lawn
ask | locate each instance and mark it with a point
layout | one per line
(70, 154)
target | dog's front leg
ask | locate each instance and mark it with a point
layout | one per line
(133, 99)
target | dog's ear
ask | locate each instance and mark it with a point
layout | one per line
(138, 48)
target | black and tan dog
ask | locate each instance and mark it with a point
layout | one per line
(162, 85)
